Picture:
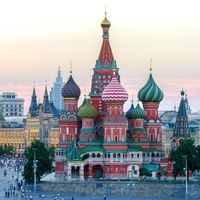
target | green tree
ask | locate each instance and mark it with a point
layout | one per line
(44, 164)
(1, 150)
(52, 152)
(187, 150)
(144, 172)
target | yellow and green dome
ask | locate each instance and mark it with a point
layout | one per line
(139, 113)
(150, 92)
(88, 111)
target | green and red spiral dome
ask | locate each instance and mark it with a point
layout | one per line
(71, 89)
(150, 92)
(139, 113)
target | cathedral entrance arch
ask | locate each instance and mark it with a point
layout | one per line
(133, 171)
(75, 171)
(97, 171)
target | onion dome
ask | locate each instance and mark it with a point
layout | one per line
(88, 111)
(130, 112)
(114, 91)
(139, 113)
(71, 89)
(150, 92)
(105, 23)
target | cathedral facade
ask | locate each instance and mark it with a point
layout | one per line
(98, 139)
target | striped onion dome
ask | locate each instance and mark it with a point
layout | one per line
(88, 111)
(139, 113)
(114, 91)
(150, 92)
(130, 112)
(71, 89)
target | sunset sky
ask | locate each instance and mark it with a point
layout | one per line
(37, 36)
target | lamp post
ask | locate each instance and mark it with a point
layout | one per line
(35, 169)
(186, 177)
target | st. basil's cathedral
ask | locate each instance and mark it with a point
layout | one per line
(99, 140)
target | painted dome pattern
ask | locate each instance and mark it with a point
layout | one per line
(150, 92)
(130, 112)
(139, 113)
(88, 111)
(114, 91)
(71, 89)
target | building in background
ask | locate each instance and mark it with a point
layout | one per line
(55, 93)
(11, 105)
(42, 121)
(181, 129)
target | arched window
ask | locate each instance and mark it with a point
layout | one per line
(98, 155)
(114, 155)
(118, 155)
(153, 155)
(115, 138)
(93, 155)
(152, 138)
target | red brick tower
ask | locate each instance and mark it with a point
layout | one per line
(115, 123)
(104, 68)
(151, 96)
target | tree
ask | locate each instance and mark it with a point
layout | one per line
(186, 150)
(52, 152)
(44, 164)
(144, 172)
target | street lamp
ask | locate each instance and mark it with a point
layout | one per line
(35, 169)
(186, 181)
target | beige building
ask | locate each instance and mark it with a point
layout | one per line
(14, 137)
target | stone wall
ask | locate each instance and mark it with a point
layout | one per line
(126, 189)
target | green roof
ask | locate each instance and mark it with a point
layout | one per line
(153, 150)
(91, 148)
(134, 148)
(59, 149)
(73, 153)
(150, 167)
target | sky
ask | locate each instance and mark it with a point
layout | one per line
(38, 36)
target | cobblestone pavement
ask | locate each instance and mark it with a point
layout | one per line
(10, 179)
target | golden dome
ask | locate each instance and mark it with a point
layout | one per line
(105, 23)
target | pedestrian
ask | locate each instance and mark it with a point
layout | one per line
(72, 198)
(104, 198)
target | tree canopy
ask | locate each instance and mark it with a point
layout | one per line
(7, 150)
(186, 150)
(42, 154)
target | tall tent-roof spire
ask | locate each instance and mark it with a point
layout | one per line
(33, 109)
(46, 107)
(106, 59)
(181, 129)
